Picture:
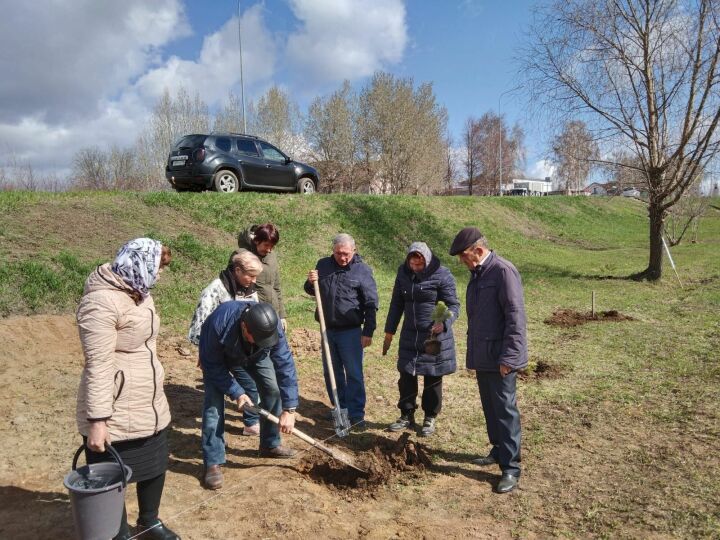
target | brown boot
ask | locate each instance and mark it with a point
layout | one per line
(213, 477)
(280, 452)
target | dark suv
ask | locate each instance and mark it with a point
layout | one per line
(229, 162)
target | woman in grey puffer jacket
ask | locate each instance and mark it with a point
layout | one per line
(420, 284)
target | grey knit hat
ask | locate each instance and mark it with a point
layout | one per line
(421, 248)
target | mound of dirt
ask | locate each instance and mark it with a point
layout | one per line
(304, 343)
(384, 459)
(541, 369)
(568, 318)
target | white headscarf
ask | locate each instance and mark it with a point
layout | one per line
(138, 263)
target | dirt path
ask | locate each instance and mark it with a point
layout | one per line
(261, 499)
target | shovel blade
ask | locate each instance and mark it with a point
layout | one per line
(341, 421)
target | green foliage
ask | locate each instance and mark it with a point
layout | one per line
(440, 313)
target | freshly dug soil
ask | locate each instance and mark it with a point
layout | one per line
(568, 318)
(384, 459)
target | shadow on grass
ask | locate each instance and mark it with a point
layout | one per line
(531, 272)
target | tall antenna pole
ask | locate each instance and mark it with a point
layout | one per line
(242, 83)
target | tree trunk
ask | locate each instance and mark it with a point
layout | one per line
(657, 222)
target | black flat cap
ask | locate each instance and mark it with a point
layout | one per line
(464, 239)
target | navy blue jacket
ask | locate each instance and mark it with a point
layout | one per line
(414, 297)
(349, 294)
(223, 348)
(496, 317)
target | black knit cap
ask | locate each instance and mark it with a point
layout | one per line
(464, 239)
(262, 322)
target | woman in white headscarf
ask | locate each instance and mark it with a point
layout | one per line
(121, 400)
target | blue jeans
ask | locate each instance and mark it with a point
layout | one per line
(262, 373)
(347, 361)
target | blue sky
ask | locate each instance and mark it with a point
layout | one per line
(102, 65)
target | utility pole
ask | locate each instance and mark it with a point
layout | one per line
(242, 83)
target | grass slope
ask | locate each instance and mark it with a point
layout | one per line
(630, 427)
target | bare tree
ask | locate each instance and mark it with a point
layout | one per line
(472, 149)
(90, 169)
(171, 118)
(451, 168)
(330, 131)
(401, 135)
(639, 71)
(491, 149)
(277, 118)
(574, 151)
(229, 117)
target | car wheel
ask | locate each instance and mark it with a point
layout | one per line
(306, 186)
(226, 182)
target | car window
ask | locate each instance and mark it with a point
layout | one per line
(271, 153)
(223, 143)
(190, 141)
(247, 147)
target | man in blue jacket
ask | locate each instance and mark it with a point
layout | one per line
(245, 335)
(496, 347)
(350, 303)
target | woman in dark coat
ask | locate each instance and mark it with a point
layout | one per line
(420, 284)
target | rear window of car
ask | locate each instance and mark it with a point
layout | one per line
(223, 143)
(247, 147)
(190, 141)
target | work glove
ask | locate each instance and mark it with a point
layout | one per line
(283, 323)
(386, 343)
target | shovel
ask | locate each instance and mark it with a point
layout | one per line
(333, 453)
(340, 416)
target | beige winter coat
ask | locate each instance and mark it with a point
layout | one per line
(122, 380)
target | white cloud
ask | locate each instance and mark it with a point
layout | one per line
(65, 58)
(217, 68)
(541, 169)
(97, 71)
(346, 39)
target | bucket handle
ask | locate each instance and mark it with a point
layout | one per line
(112, 452)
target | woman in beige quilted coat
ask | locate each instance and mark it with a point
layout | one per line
(121, 400)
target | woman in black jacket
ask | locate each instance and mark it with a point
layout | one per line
(420, 284)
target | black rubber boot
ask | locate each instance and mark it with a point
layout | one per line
(124, 533)
(156, 531)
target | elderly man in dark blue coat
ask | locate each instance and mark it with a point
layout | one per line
(421, 283)
(496, 348)
(245, 335)
(350, 302)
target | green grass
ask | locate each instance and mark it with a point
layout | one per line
(633, 412)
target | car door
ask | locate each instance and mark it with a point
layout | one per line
(250, 162)
(280, 169)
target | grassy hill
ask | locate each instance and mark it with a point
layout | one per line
(629, 416)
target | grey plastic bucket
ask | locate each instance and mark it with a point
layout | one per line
(97, 496)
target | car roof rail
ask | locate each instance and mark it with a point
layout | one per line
(213, 132)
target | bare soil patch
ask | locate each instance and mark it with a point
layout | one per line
(568, 318)
(384, 459)
(305, 343)
(542, 369)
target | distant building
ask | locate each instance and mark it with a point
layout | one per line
(528, 186)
